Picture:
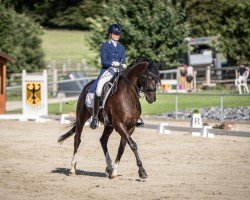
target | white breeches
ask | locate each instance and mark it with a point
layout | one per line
(239, 80)
(105, 77)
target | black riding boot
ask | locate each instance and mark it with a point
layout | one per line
(94, 122)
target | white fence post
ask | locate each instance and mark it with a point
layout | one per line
(54, 87)
(208, 75)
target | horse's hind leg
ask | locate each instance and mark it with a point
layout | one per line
(77, 140)
(121, 149)
(104, 141)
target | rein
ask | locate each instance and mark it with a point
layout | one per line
(136, 89)
(129, 84)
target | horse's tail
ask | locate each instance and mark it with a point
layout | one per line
(79, 113)
(68, 134)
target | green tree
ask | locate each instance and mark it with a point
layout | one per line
(58, 14)
(228, 19)
(151, 28)
(19, 38)
(235, 32)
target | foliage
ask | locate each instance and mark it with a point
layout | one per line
(70, 14)
(151, 28)
(195, 111)
(19, 38)
(236, 32)
(228, 19)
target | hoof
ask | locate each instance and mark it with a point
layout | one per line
(94, 124)
(114, 175)
(72, 173)
(108, 171)
(143, 174)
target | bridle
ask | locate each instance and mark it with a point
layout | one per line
(142, 80)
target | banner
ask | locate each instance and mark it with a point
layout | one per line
(34, 94)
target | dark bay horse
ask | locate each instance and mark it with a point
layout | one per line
(123, 109)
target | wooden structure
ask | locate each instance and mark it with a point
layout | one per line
(4, 58)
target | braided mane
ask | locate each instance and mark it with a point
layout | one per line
(142, 59)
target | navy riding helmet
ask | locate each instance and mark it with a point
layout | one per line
(115, 28)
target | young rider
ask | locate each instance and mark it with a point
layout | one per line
(112, 56)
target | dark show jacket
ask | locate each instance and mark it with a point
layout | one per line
(110, 53)
(242, 70)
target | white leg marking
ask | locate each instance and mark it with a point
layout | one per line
(73, 164)
(115, 170)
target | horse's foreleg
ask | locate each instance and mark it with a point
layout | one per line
(121, 149)
(133, 146)
(123, 131)
(104, 141)
(77, 141)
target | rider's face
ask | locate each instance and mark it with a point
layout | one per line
(115, 36)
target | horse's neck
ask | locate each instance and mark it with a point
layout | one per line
(136, 71)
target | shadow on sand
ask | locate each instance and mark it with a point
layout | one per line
(65, 171)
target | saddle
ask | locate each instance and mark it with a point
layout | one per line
(109, 88)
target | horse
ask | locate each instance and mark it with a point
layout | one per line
(122, 109)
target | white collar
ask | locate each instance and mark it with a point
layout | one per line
(113, 42)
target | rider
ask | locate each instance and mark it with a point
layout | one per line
(112, 56)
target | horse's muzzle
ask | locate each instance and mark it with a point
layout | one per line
(151, 98)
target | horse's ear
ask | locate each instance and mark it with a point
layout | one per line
(161, 65)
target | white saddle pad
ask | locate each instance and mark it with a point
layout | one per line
(89, 101)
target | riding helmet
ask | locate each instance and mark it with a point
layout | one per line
(115, 28)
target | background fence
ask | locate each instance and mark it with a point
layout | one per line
(173, 102)
(59, 77)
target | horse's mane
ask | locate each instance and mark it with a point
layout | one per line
(154, 70)
(138, 60)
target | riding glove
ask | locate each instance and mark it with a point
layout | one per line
(124, 66)
(115, 64)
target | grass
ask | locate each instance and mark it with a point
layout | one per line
(166, 103)
(66, 44)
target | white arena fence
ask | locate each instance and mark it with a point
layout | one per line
(53, 91)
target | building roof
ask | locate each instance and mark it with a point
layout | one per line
(7, 57)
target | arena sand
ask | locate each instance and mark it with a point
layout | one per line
(34, 166)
